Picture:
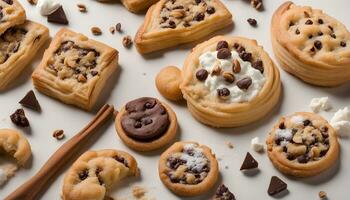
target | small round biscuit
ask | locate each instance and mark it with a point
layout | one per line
(168, 83)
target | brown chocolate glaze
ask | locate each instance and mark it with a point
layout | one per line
(145, 119)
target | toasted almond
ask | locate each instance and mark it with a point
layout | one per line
(216, 71)
(229, 77)
(58, 134)
(236, 66)
(96, 30)
(112, 29)
(127, 42)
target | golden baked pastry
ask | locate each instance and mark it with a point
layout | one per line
(230, 81)
(172, 22)
(168, 82)
(303, 144)
(75, 69)
(95, 172)
(311, 45)
(136, 6)
(11, 14)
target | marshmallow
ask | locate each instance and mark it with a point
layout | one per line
(341, 122)
(256, 145)
(318, 104)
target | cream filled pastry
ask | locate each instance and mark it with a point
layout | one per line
(229, 81)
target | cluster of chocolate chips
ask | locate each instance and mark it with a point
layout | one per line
(187, 175)
(320, 22)
(19, 118)
(178, 13)
(224, 52)
(10, 42)
(308, 142)
(70, 60)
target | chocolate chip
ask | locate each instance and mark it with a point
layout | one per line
(199, 17)
(318, 44)
(333, 35)
(331, 28)
(30, 101)
(121, 160)
(282, 126)
(320, 21)
(174, 163)
(252, 21)
(224, 92)
(236, 45)
(249, 162)
(223, 193)
(202, 74)
(291, 24)
(309, 22)
(343, 44)
(198, 1)
(221, 45)
(223, 53)
(210, 10)
(310, 36)
(10, 2)
(244, 83)
(258, 65)
(276, 186)
(147, 121)
(303, 159)
(93, 73)
(59, 17)
(83, 174)
(320, 33)
(138, 124)
(172, 24)
(307, 122)
(118, 27)
(245, 56)
(19, 118)
(297, 31)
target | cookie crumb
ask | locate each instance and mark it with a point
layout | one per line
(118, 27)
(257, 4)
(58, 134)
(229, 145)
(138, 192)
(96, 30)
(112, 30)
(32, 2)
(127, 42)
(322, 194)
(82, 7)
(252, 22)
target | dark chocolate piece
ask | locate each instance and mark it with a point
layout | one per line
(249, 162)
(30, 101)
(19, 118)
(59, 17)
(223, 193)
(276, 186)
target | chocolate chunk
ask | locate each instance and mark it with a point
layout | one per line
(223, 93)
(59, 16)
(245, 56)
(331, 28)
(19, 118)
(282, 126)
(303, 159)
(145, 119)
(198, 1)
(318, 44)
(223, 53)
(258, 65)
(320, 21)
(307, 122)
(30, 101)
(252, 21)
(319, 33)
(223, 193)
(210, 10)
(121, 160)
(83, 174)
(118, 27)
(297, 31)
(172, 24)
(333, 36)
(310, 36)
(10, 2)
(291, 24)
(276, 186)
(202, 74)
(249, 162)
(244, 83)
(343, 44)
(93, 73)
(221, 45)
(199, 17)
(174, 163)
(309, 22)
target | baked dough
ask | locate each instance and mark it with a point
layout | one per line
(18, 46)
(168, 83)
(172, 22)
(95, 172)
(311, 45)
(75, 69)
(12, 13)
(188, 168)
(142, 143)
(303, 144)
(220, 94)
(16, 145)
(136, 6)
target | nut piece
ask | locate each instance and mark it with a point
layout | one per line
(96, 30)
(236, 66)
(112, 29)
(82, 78)
(216, 71)
(168, 83)
(33, 2)
(118, 27)
(322, 195)
(257, 4)
(178, 14)
(82, 7)
(127, 42)
(58, 134)
(229, 77)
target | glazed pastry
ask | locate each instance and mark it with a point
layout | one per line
(75, 69)
(95, 172)
(168, 83)
(172, 22)
(303, 144)
(230, 82)
(16, 145)
(11, 14)
(146, 124)
(188, 168)
(18, 46)
(311, 45)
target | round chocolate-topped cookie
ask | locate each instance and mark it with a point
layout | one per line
(146, 124)
(145, 119)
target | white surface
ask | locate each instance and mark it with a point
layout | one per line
(136, 79)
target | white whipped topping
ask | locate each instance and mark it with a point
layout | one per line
(285, 134)
(46, 7)
(320, 104)
(297, 119)
(197, 161)
(208, 61)
(3, 177)
(257, 145)
(341, 122)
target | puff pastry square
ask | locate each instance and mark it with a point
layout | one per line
(172, 22)
(75, 69)
(18, 45)
(11, 13)
(136, 5)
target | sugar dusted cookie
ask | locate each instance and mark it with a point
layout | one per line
(229, 81)
(188, 168)
(311, 45)
(95, 172)
(146, 124)
(11, 14)
(172, 22)
(75, 69)
(303, 144)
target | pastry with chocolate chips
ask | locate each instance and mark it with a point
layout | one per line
(11, 14)
(303, 144)
(311, 45)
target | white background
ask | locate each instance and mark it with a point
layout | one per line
(136, 79)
